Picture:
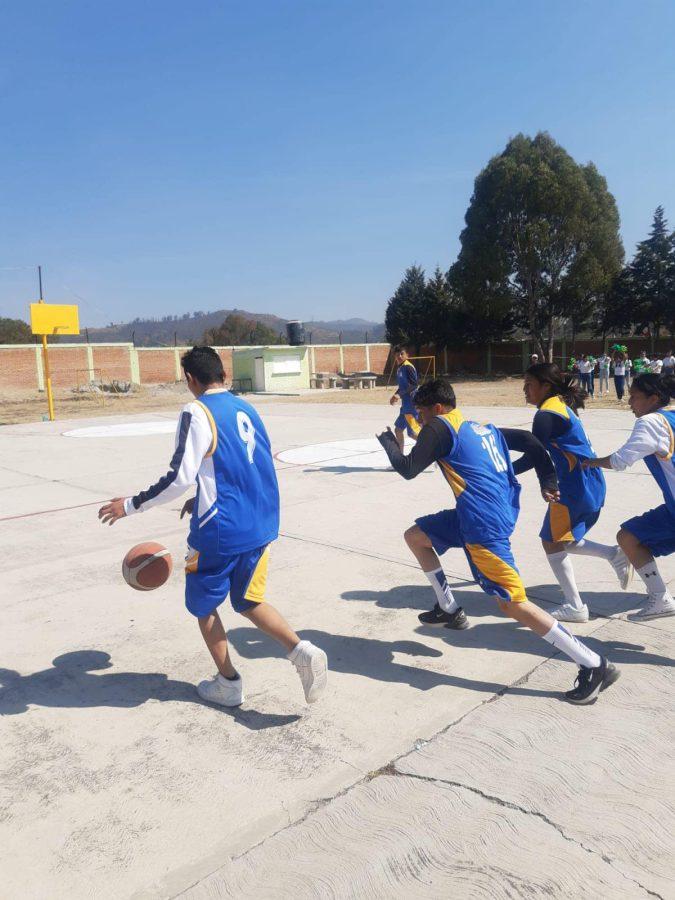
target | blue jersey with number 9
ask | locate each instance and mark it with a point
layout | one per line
(479, 471)
(237, 503)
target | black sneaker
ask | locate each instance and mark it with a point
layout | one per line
(457, 620)
(590, 682)
(437, 616)
(434, 616)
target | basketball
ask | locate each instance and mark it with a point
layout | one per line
(147, 566)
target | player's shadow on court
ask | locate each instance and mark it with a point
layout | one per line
(409, 596)
(70, 683)
(373, 658)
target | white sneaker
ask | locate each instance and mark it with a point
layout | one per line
(311, 664)
(569, 613)
(222, 691)
(623, 568)
(654, 608)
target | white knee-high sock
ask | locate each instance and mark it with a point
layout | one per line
(439, 583)
(649, 573)
(590, 548)
(563, 571)
(579, 653)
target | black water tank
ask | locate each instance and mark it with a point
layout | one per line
(295, 331)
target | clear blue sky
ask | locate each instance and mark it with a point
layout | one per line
(295, 157)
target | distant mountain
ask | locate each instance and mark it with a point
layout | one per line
(189, 328)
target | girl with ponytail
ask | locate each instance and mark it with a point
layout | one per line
(570, 516)
(653, 533)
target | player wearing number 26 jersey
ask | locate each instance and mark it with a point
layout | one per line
(222, 445)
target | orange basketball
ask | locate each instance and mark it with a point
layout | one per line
(147, 566)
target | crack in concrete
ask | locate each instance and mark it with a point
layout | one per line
(508, 804)
(390, 769)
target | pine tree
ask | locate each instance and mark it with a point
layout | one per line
(406, 321)
(652, 275)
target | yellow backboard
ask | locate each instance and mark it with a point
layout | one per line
(54, 318)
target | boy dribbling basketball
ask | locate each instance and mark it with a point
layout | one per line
(222, 445)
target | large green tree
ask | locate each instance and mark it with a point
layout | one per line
(15, 331)
(238, 331)
(541, 237)
(406, 320)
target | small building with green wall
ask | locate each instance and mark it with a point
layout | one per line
(276, 370)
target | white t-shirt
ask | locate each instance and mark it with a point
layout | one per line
(669, 362)
(604, 362)
(655, 366)
(620, 368)
(585, 366)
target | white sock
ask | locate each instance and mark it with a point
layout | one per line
(590, 548)
(299, 647)
(442, 590)
(656, 586)
(564, 573)
(579, 653)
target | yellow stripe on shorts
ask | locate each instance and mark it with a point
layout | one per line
(413, 424)
(498, 571)
(559, 520)
(258, 584)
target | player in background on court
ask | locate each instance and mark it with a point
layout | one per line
(407, 380)
(476, 464)
(582, 491)
(222, 445)
(653, 533)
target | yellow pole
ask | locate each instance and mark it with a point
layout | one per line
(48, 377)
(45, 359)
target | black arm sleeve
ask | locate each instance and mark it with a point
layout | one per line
(547, 426)
(433, 442)
(534, 456)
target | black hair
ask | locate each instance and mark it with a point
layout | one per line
(564, 384)
(400, 348)
(438, 390)
(204, 364)
(653, 385)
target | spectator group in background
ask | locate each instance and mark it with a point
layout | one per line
(615, 363)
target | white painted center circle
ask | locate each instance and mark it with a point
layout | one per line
(125, 429)
(362, 453)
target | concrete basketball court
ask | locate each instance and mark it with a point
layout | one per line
(437, 764)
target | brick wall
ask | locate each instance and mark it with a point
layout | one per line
(354, 357)
(157, 366)
(225, 353)
(17, 367)
(326, 359)
(379, 356)
(111, 363)
(69, 366)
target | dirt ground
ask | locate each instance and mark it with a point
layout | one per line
(31, 406)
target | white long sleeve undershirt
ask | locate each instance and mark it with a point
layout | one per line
(651, 434)
(193, 441)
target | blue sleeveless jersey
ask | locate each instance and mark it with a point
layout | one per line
(663, 467)
(237, 503)
(479, 471)
(406, 379)
(581, 490)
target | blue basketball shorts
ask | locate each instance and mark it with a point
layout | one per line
(655, 529)
(409, 423)
(491, 562)
(210, 577)
(561, 523)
